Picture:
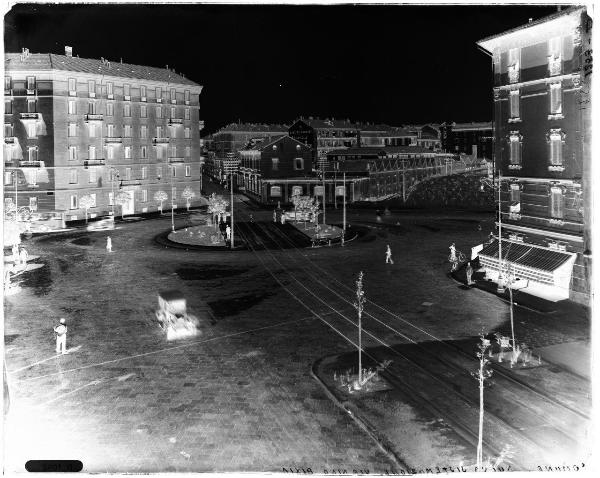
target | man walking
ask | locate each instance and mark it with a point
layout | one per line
(108, 244)
(274, 215)
(388, 255)
(452, 257)
(228, 233)
(60, 332)
(469, 272)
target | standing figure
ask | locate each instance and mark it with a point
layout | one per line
(251, 217)
(274, 215)
(452, 257)
(228, 233)
(469, 273)
(108, 244)
(15, 253)
(23, 256)
(60, 331)
(388, 255)
(282, 218)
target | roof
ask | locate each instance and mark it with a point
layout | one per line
(527, 255)
(261, 145)
(318, 123)
(551, 25)
(406, 149)
(253, 127)
(371, 132)
(357, 151)
(50, 61)
(472, 126)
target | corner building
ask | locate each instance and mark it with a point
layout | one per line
(542, 148)
(76, 127)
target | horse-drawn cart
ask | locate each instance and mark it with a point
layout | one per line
(172, 315)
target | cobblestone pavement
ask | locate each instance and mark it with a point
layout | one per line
(240, 397)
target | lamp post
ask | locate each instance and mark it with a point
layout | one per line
(344, 213)
(171, 170)
(231, 242)
(324, 197)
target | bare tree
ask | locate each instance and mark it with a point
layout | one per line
(481, 375)
(87, 202)
(121, 199)
(359, 305)
(160, 196)
(188, 195)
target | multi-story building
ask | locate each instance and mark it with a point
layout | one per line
(468, 138)
(76, 127)
(383, 135)
(542, 125)
(236, 136)
(426, 136)
(324, 136)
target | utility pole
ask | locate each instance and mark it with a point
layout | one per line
(231, 209)
(359, 305)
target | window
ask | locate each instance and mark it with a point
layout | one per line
(276, 191)
(33, 203)
(158, 172)
(159, 131)
(73, 202)
(31, 106)
(296, 190)
(188, 171)
(72, 108)
(555, 140)
(110, 198)
(126, 91)
(143, 111)
(72, 176)
(515, 193)
(110, 131)
(514, 105)
(173, 110)
(298, 164)
(72, 130)
(188, 151)
(556, 202)
(109, 89)
(143, 92)
(31, 130)
(8, 130)
(143, 152)
(187, 132)
(113, 175)
(173, 97)
(31, 176)
(144, 132)
(158, 94)
(8, 106)
(187, 113)
(93, 196)
(30, 84)
(127, 110)
(91, 152)
(127, 152)
(159, 152)
(514, 57)
(93, 177)
(92, 108)
(92, 130)
(8, 180)
(7, 84)
(144, 195)
(275, 164)
(32, 153)
(158, 112)
(127, 174)
(92, 88)
(127, 131)
(144, 172)
(110, 152)
(555, 101)
(110, 109)
(554, 56)
(187, 97)
(174, 171)
(72, 153)
(515, 142)
(72, 86)
(173, 152)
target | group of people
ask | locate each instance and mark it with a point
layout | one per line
(225, 231)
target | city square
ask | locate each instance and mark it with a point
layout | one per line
(316, 297)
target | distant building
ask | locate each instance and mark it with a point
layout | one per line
(542, 124)
(384, 135)
(324, 136)
(427, 136)
(76, 127)
(468, 138)
(234, 137)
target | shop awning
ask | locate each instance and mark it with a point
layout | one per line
(526, 256)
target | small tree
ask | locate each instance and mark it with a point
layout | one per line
(188, 195)
(161, 197)
(217, 206)
(359, 305)
(87, 202)
(121, 199)
(481, 375)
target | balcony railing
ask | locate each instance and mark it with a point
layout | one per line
(129, 182)
(10, 140)
(93, 162)
(30, 164)
(89, 118)
(31, 116)
(113, 139)
(160, 140)
(175, 121)
(176, 159)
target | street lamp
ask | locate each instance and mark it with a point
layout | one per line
(491, 183)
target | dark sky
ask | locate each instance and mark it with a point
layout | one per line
(393, 64)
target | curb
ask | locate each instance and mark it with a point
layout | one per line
(363, 424)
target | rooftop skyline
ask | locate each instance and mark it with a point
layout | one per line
(392, 64)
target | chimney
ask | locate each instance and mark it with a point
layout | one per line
(69, 51)
(530, 20)
(24, 53)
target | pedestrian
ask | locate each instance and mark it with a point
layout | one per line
(228, 233)
(23, 256)
(108, 244)
(60, 332)
(469, 273)
(282, 218)
(388, 255)
(15, 253)
(251, 217)
(274, 215)
(452, 257)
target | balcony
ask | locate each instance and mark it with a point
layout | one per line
(92, 94)
(31, 92)
(175, 121)
(127, 97)
(93, 162)
(159, 100)
(91, 118)
(176, 159)
(31, 164)
(110, 96)
(125, 183)
(157, 141)
(143, 98)
(113, 140)
(31, 116)
(72, 93)
(10, 140)
(173, 102)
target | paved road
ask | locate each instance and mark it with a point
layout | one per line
(240, 397)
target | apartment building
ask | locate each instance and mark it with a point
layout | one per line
(76, 127)
(542, 147)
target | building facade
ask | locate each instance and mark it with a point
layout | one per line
(468, 138)
(383, 135)
(76, 127)
(542, 132)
